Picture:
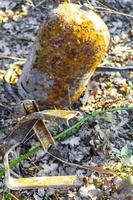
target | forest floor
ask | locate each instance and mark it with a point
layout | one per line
(106, 140)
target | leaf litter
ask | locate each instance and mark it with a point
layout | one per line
(98, 142)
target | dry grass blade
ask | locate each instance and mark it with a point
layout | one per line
(12, 58)
(35, 182)
(14, 197)
(105, 8)
(92, 168)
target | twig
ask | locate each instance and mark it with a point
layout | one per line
(93, 168)
(31, 3)
(63, 135)
(107, 9)
(27, 139)
(39, 4)
(12, 58)
(113, 69)
(6, 107)
(129, 127)
(101, 9)
(14, 197)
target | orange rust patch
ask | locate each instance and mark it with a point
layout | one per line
(69, 51)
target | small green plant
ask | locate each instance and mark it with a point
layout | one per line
(125, 165)
(7, 196)
(46, 197)
(126, 152)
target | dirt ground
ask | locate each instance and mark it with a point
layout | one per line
(100, 141)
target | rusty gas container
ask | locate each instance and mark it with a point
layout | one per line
(69, 47)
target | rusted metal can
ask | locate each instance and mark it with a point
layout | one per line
(69, 47)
